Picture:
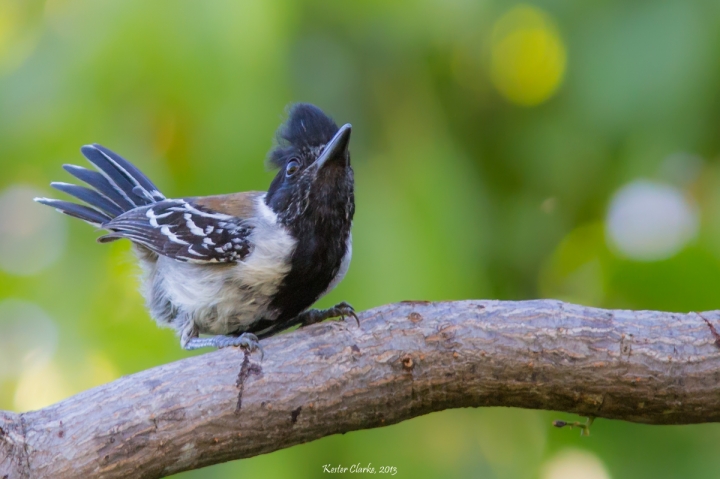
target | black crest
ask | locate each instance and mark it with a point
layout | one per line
(307, 127)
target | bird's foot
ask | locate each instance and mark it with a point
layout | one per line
(341, 310)
(247, 341)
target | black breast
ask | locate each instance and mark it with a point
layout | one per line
(316, 261)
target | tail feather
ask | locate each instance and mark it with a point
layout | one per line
(117, 187)
(133, 173)
(90, 197)
(85, 213)
(115, 174)
(101, 184)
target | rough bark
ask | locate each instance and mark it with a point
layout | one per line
(405, 360)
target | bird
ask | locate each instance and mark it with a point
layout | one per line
(239, 267)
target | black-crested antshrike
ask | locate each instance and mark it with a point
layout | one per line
(239, 266)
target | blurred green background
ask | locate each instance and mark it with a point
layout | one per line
(502, 150)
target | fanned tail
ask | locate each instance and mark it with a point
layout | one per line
(118, 186)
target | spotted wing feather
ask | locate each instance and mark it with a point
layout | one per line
(185, 231)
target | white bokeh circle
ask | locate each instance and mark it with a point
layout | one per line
(650, 221)
(574, 464)
(28, 337)
(32, 236)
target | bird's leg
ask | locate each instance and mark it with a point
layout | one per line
(190, 340)
(308, 317)
(340, 310)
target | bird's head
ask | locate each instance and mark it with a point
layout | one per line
(315, 179)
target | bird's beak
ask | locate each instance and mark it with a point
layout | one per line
(336, 149)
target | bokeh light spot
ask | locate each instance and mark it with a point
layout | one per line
(40, 386)
(575, 271)
(528, 56)
(32, 236)
(28, 337)
(8, 25)
(574, 464)
(650, 221)
(17, 40)
(100, 370)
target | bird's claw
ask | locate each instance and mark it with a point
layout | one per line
(340, 310)
(246, 341)
(345, 309)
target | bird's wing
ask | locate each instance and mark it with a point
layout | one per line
(188, 230)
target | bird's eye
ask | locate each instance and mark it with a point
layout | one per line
(292, 167)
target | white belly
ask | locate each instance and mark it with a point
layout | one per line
(224, 298)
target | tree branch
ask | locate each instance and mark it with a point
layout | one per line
(405, 360)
